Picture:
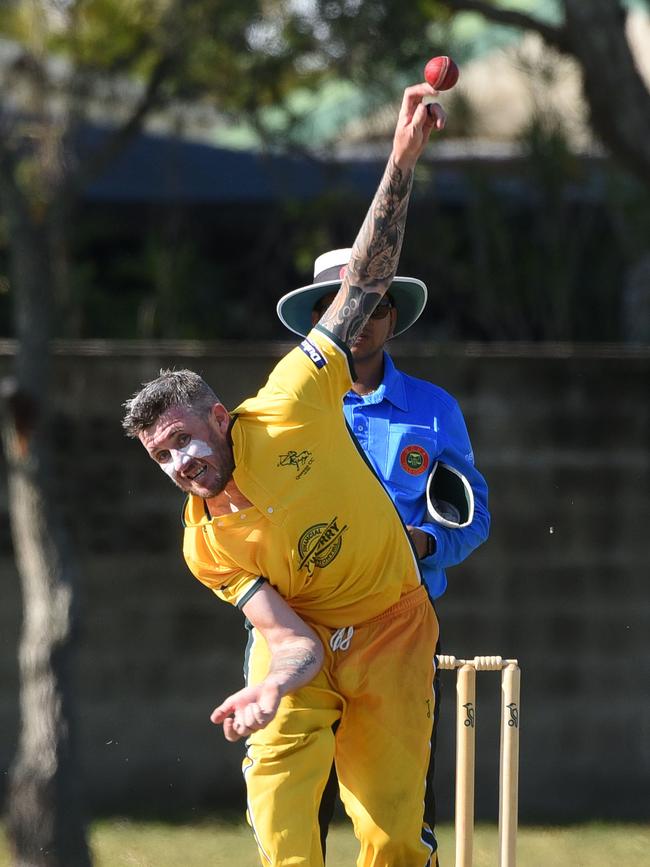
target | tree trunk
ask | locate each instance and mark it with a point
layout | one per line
(44, 821)
(619, 102)
(594, 33)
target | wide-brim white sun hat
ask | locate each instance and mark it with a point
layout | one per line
(295, 308)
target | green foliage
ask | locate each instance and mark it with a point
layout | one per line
(382, 44)
(103, 34)
(519, 257)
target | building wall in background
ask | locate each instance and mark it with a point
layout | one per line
(563, 438)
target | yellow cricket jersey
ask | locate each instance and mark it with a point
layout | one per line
(322, 530)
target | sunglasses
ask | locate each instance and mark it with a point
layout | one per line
(380, 311)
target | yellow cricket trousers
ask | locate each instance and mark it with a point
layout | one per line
(377, 680)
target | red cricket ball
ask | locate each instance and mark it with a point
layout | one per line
(441, 73)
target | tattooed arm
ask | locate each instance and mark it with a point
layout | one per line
(296, 658)
(376, 251)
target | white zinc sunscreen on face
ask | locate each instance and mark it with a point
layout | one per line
(179, 458)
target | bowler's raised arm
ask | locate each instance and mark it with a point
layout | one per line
(376, 251)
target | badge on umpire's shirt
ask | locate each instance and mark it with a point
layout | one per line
(414, 460)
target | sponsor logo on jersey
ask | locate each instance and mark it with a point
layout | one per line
(310, 350)
(320, 544)
(414, 460)
(302, 461)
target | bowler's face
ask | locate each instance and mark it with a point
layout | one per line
(194, 452)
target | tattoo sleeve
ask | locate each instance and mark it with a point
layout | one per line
(375, 256)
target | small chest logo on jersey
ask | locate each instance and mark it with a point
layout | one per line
(414, 460)
(319, 545)
(309, 349)
(302, 461)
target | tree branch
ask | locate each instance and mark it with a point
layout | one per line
(104, 155)
(553, 35)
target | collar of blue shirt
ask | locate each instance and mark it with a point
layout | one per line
(391, 387)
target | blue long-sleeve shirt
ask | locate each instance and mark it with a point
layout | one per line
(404, 427)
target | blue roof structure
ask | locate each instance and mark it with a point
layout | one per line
(155, 168)
(166, 169)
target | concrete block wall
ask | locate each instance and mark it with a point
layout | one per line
(563, 436)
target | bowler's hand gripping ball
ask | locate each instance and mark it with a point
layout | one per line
(441, 73)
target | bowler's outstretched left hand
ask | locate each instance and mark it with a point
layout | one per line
(247, 711)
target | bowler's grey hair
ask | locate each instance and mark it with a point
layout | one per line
(172, 388)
